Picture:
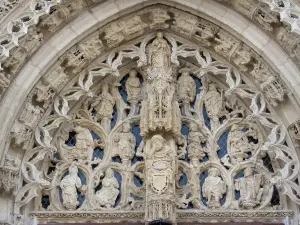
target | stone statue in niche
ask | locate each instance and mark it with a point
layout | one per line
(160, 172)
(196, 140)
(125, 142)
(104, 107)
(213, 105)
(239, 144)
(107, 195)
(69, 186)
(160, 110)
(133, 88)
(186, 91)
(213, 188)
(84, 147)
(159, 56)
(251, 188)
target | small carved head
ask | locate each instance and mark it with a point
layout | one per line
(214, 172)
(159, 35)
(109, 173)
(194, 127)
(132, 72)
(185, 71)
(105, 88)
(73, 169)
(212, 87)
(126, 127)
(157, 142)
(248, 171)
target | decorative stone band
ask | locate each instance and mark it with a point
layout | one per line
(182, 216)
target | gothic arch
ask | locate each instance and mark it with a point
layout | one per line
(55, 89)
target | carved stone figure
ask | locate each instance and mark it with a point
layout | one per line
(33, 39)
(69, 186)
(92, 46)
(159, 17)
(31, 115)
(184, 23)
(133, 88)
(225, 44)
(21, 134)
(125, 142)
(239, 145)
(104, 107)
(109, 191)
(213, 188)
(186, 91)
(15, 60)
(160, 110)
(9, 174)
(160, 173)
(205, 31)
(242, 56)
(213, 105)
(195, 140)
(123, 29)
(251, 188)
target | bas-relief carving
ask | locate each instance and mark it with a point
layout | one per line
(9, 174)
(69, 186)
(107, 195)
(214, 188)
(160, 121)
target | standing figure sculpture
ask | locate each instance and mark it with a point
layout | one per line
(109, 191)
(186, 91)
(213, 188)
(195, 140)
(69, 185)
(250, 187)
(125, 142)
(213, 105)
(104, 107)
(133, 88)
(160, 110)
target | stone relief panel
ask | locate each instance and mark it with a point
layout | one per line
(155, 134)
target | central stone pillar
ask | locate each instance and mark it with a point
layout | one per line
(160, 160)
(160, 125)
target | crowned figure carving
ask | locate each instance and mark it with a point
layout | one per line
(107, 195)
(213, 188)
(160, 110)
(251, 188)
(125, 143)
(69, 186)
(186, 91)
(160, 173)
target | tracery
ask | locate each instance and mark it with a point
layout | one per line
(158, 128)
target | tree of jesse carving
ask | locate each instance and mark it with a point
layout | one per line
(164, 144)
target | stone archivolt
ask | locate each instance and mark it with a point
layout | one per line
(112, 139)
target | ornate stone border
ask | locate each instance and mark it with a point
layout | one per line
(183, 216)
